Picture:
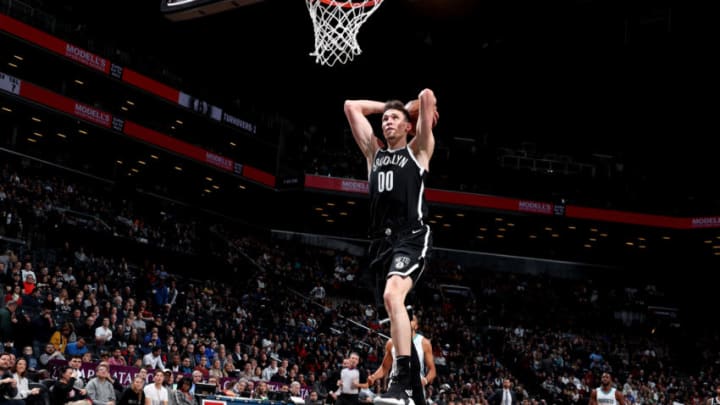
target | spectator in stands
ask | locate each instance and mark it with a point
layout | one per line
(237, 356)
(168, 384)
(318, 385)
(78, 304)
(43, 325)
(135, 340)
(27, 271)
(103, 333)
(79, 381)
(77, 348)
(216, 382)
(64, 391)
(31, 396)
(117, 358)
(313, 399)
(203, 355)
(133, 394)
(154, 359)
(318, 292)
(238, 389)
(50, 354)
(144, 373)
(156, 393)
(87, 328)
(270, 370)
(29, 284)
(183, 396)
(262, 391)
(201, 366)
(185, 367)
(174, 363)
(29, 357)
(295, 389)
(161, 293)
(99, 389)
(216, 370)
(8, 320)
(189, 352)
(197, 378)
(229, 368)
(152, 340)
(504, 396)
(61, 337)
(132, 356)
(169, 346)
(281, 376)
(173, 293)
(117, 385)
(15, 292)
(247, 371)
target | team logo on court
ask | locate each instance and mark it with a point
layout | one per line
(401, 262)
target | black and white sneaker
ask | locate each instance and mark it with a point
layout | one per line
(395, 395)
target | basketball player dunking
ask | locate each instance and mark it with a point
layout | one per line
(398, 209)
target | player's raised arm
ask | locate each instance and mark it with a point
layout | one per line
(356, 112)
(423, 145)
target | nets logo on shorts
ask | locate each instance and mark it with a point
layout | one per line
(401, 262)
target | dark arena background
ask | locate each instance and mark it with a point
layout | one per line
(185, 171)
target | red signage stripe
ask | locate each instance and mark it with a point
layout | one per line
(166, 142)
(31, 34)
(53, 44)
(625, 217)
(472, 200)
(258, 175)
(153, 86)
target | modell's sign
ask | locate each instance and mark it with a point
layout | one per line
(705, 222)
(535, 206)
(219, 161)
(92, 114)
(85, 57)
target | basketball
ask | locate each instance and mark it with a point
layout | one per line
(413, 108)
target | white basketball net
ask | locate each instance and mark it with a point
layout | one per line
(336, 25)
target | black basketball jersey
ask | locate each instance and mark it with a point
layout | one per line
(397, 185)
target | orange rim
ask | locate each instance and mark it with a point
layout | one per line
(350, 4)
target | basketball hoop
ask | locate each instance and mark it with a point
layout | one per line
(336, 25)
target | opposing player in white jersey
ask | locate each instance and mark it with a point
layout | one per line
(716, 399)
(606, 394)
(422, 361)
